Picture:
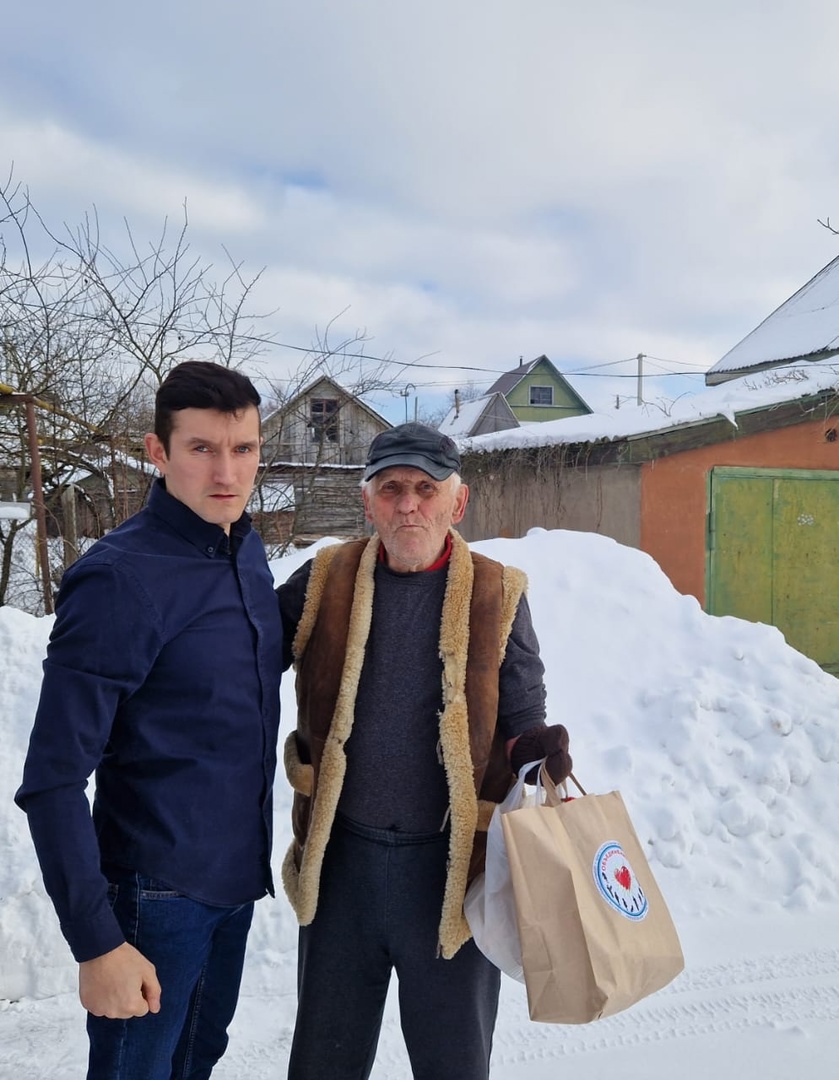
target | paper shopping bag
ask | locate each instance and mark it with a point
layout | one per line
(596, 935)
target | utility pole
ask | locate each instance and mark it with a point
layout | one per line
(640, 378)
(406, 393)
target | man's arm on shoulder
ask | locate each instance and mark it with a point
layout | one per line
(120, 984)
(292, 596)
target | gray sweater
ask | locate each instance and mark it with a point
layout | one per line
(395, 778)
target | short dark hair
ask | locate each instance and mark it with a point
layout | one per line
(199, 384)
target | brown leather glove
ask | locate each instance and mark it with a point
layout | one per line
(543, 742)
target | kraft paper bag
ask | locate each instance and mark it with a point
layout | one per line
(596, 935)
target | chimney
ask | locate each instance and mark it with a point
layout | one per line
(521, 361)
(456, 404)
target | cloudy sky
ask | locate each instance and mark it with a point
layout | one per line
(465, 181)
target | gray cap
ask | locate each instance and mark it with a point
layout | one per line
(415, 446)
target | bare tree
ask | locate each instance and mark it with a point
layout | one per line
(333, 442)
(91, 334)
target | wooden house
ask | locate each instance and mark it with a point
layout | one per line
(536, 391)
(321, 425)
(98, 495)
(315, 447)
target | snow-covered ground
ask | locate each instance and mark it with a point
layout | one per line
(724, 743)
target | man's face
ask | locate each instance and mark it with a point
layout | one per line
(412, 513)
(212, 461)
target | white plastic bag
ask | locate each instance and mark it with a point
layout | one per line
(489, 905)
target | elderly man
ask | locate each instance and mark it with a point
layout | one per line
(420, 691)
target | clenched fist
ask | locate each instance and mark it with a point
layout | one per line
(550, 743)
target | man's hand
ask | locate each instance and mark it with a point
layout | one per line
(119, 984)
(542, 742)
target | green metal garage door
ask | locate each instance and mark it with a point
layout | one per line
(773, 547)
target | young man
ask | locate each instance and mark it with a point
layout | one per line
(418, 683)
(162, 677)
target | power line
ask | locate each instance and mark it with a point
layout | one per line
(370, 356)
(456, 367)
(664, 360)
(608, 363)
(633, 375)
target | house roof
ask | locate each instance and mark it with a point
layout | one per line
(510, 379)
(99, 462)
(15, 511)
(507, 382)
(764, 390)
(805, 325)
(462, 421)
(287, 405)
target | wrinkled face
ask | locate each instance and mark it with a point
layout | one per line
(212, 461)
(412, 513)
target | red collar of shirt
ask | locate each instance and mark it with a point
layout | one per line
(438, 565)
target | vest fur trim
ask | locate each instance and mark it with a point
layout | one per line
(468, 814)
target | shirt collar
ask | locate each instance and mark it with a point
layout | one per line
(438, 565)
(209, 538)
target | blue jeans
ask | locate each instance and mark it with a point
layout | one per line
(199, 952)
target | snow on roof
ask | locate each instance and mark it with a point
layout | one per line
(15, 511)
(460, 423)
(743, 394)
(805, 325)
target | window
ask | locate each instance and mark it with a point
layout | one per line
(324, 419)
(541, 395)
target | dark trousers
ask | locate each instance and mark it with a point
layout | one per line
(199, 953)
(379, 907)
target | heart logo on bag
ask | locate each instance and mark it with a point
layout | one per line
(616, 882)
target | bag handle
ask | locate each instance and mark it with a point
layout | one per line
(577, 784)
(555, 794)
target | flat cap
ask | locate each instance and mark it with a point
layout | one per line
(416, 446)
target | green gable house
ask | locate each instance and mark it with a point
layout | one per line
(536, 391)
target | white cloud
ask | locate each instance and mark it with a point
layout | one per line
(477, 180)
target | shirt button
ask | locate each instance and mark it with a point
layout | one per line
(210, 549)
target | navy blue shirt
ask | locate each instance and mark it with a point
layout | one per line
(162, 676)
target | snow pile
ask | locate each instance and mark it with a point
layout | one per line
(721, 738)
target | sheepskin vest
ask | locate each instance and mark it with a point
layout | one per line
(478, 610)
